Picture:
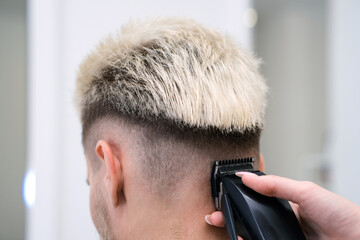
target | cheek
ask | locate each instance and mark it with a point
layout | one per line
(99, 213)
(94, 195)
(96, 204)
(92, 203)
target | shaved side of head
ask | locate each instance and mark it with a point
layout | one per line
(166, 156)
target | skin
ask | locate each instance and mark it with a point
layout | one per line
(122, 208)
(322, 214)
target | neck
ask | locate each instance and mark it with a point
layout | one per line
(184, 221)
(190, 230)
(183, 218)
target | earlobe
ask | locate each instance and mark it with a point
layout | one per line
(113, 176)
(262, 164)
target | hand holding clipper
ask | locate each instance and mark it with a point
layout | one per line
(246, 212)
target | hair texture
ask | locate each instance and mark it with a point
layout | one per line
(189, 94)
(176, 70)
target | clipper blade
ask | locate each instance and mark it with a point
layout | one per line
(230, 167)
(225, 168)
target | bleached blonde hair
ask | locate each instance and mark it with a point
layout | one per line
(173, 69)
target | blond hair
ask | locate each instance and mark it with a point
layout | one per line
(173, 69)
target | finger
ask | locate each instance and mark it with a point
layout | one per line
(216, 219)
(274, 186)
(295, 208)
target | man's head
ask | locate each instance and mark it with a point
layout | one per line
(159, 103)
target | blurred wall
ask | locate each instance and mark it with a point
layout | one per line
(344, 96)
(12, 117)
(311, 54)
(290, 37)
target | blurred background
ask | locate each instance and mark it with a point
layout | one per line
(310, 53)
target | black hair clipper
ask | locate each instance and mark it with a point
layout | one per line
(247, 213)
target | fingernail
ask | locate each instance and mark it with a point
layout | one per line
(240, 174)
(207, 220)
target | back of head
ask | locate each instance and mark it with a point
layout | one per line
(186, 94)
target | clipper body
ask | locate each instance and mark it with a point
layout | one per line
(247, 213)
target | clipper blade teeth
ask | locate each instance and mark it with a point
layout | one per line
(228, 167)
(249, 160)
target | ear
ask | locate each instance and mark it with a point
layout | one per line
(113, 176)
(262, 164)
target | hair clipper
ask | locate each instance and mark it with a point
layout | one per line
(247, 213)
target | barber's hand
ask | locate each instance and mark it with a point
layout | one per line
(321, 214)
